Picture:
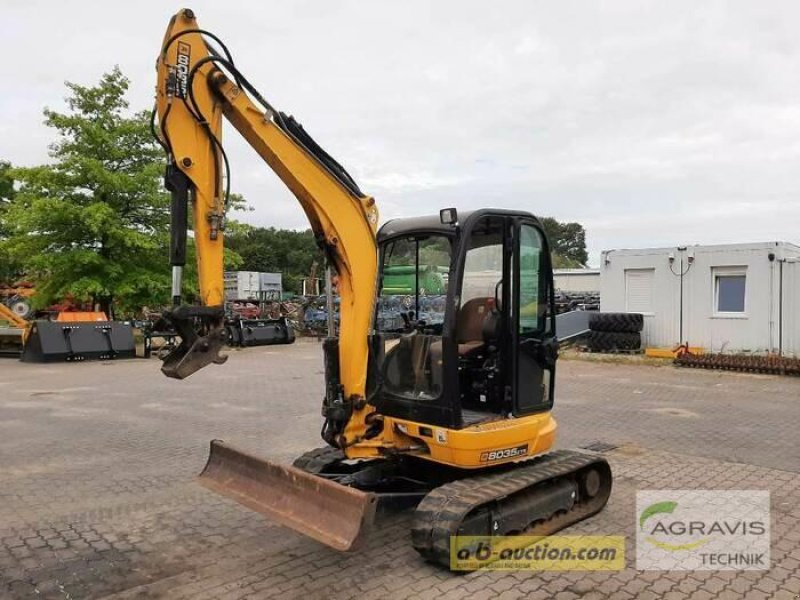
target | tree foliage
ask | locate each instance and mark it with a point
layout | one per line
(567, 243)
(6, 185)
(9, 269)
(93, 224)
(272, 250)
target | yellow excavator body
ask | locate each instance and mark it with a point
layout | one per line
(443, 393)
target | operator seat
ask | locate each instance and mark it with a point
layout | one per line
(471, 322)
(476, 324)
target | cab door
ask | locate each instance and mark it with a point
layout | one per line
(533, 335)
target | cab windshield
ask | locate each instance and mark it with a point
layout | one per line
(414, 278)
(410, 314)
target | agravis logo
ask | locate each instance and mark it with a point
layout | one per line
(702, 529)
(659, 528)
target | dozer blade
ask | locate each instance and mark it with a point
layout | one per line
(327, 511)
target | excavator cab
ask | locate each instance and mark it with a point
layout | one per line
(466, 337)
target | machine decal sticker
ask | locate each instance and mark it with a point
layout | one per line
(504, 453)
(182, 69)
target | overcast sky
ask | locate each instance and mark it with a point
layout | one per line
(650, 123)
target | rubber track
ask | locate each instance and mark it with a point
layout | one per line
(442, 511)
(315, 461)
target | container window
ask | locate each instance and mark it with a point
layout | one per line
(639, 285)
(729, 292)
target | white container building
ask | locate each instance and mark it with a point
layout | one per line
(577, 280)
(723, 298)
(271, 285)
(252, 285)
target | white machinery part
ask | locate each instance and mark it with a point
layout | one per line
(20, 307)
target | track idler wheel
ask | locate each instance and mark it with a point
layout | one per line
(589, 483)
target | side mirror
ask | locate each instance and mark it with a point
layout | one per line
(448, 216)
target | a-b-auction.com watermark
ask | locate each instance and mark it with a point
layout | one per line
(702, 530)
(675, 530)
(551, 553)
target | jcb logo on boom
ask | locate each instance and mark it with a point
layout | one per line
(182, 70)
(504, 453)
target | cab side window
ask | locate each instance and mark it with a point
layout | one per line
(532, 299)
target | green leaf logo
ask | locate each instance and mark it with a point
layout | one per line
(654, 509)
(667, 507)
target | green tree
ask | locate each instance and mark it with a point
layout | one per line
(272, 250)
(6, 185)
(9, 269)
(93, 224)
(567, 243)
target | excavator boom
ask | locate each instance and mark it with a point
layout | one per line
(198, 85)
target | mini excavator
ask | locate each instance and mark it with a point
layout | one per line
(438, 389)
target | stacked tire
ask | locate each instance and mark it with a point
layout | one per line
(615, 332)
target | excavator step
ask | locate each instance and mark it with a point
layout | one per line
(535, 497)
(329, 512)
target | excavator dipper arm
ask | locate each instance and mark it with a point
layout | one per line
(197, 86)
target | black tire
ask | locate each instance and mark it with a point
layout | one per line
(597, 342)
(234, 337)
(289, 331)
(608, 341)
(20, 307)
(616, 322)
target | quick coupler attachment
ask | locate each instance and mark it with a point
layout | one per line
(202, 334)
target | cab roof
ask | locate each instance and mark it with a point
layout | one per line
(431, 224)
